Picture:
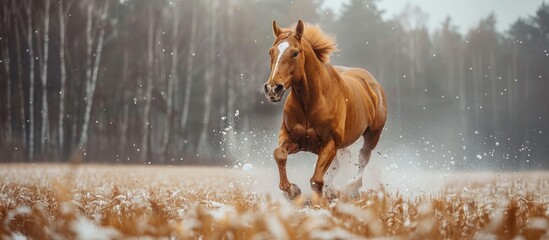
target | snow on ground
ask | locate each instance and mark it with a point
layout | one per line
(112, 202)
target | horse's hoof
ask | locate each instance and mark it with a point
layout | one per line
(353, 189)
(293, 192)
(330, 193)
(352, 193)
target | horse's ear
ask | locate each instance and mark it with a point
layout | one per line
(276, 29)
(299, 29)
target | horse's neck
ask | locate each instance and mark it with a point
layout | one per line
(315, 82)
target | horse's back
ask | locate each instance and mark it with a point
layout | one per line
(375, 96)
(358, 74)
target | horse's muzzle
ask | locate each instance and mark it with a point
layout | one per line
(274, 94)
(276, 98)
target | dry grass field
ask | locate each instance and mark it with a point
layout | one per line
(114, 202)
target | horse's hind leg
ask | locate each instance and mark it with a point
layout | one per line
(371, 137)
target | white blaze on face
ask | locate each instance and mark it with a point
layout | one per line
(281, 48)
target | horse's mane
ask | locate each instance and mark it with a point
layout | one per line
(322, 44)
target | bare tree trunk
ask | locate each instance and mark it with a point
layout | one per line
(412, 64)
(44, 78)
(231, 99)
(511, 98)
(75, 122)
(148, 90)
(462, 93)
(89, 48)
(398, 97)
(526, 123)
(9, 129)
(156, 138)
(493, 87)
(248, 91)
(62, 27)
(28, 7)
(124, 124)
(92, 82)
(190, 60)
(174, 76)
(479, 113)
(230, 137)
(231, 93)
(475, 89)
(513, 89)
(20, 78)
(6, 63)
(224, 70)
(210, 74)
(75, 114)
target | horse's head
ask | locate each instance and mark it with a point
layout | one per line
(287, 61)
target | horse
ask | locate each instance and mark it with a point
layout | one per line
(327, 109)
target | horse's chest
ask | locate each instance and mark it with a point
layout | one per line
(306, 136)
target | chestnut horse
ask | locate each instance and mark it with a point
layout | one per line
(328, 108)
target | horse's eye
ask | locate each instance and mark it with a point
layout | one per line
(295, 54)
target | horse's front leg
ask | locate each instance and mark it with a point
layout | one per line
(286, 146)
(325, 157)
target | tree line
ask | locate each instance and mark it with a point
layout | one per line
(159, 81)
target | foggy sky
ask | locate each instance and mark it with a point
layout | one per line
(464, 13)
